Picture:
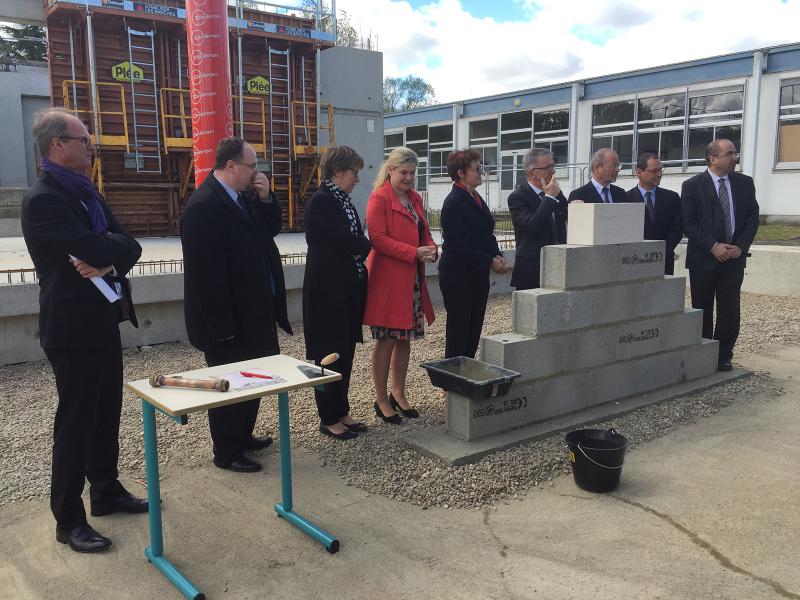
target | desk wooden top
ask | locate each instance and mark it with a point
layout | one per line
(177, 401)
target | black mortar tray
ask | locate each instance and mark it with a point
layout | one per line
(469, 377)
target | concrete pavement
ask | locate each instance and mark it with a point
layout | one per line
(708, 511)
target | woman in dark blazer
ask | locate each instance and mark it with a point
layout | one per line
(469, 252)
(335, 284)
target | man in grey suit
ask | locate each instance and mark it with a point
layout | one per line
(538, 211)
(720, 218)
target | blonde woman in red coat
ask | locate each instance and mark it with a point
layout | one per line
(397, 297)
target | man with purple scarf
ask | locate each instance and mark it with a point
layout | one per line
(78, 247)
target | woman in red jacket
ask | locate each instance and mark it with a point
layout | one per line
(397, 297)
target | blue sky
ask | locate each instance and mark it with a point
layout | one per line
(500, 10)
(472, 48)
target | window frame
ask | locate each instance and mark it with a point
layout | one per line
(785, 165)
(685, 164)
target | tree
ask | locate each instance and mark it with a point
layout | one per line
(346, 34)
(406, 93)
(23, 43)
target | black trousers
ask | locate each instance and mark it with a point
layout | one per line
(332, 403)
(724, 284)
(232, 426)
(85, 431)
(464, 294)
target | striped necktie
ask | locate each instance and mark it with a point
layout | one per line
(606, 199)
(726, 209)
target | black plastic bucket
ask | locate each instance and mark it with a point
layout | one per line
(596, 456)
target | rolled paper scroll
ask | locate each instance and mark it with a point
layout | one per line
(220, 385)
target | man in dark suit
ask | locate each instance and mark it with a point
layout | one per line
(234, 292)
(538, 211)
(720, 218)
(605, 168)
(77, 247)
(662, 207)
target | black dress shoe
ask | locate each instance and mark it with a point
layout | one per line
(125, 503)
(411, 413)
(357, 427)
(347, 434)
(239, 464)
(394, 419)
(725, 365)
(258, 443)
(82, 539)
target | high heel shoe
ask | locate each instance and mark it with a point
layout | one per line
(409, 413)
(394, 419)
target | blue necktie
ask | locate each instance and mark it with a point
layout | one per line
(240, 202)
(606, 199)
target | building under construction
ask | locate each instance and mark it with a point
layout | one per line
(122, 67)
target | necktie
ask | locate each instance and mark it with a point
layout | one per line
(606, 199)
(651, 207)
(240, 202)
(726, 209)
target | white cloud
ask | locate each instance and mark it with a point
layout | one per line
(556, 40)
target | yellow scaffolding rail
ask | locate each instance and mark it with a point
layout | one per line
(105, 140)
(184, 118)
(301, 132)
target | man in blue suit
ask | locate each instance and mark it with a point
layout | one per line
(605, 168)
(662, 207)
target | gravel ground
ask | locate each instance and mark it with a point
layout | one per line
(378, 462)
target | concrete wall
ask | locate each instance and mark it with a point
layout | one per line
(22, 93)
(159, 307)
(352, 81)
(30, 86)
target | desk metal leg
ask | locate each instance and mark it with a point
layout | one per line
(284, 508)
(154, 552)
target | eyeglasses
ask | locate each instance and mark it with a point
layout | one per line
(248, 165)
(86, 141)
(730, 154)
(550, 167)
(354, 172)
(479, 168)
(614, 166)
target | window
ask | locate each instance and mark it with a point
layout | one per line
(551, 130)
(713, 115)
(515, 130)
(440, 138)
(391, 141)
(483, 138)
(789, 122)
(612, 127)
(660, 123)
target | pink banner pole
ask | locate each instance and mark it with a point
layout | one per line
(209, 80)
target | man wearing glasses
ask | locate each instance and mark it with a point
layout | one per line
(234, 292)
(78, 247)
(662, 207)
(605, 168)
(538, 211)
(720, 218)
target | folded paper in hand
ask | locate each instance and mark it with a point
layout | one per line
(100, 283)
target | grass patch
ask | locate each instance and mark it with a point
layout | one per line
(777, 232)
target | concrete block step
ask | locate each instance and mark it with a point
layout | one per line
(537, 357)
(569, 266)
(542, 311)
